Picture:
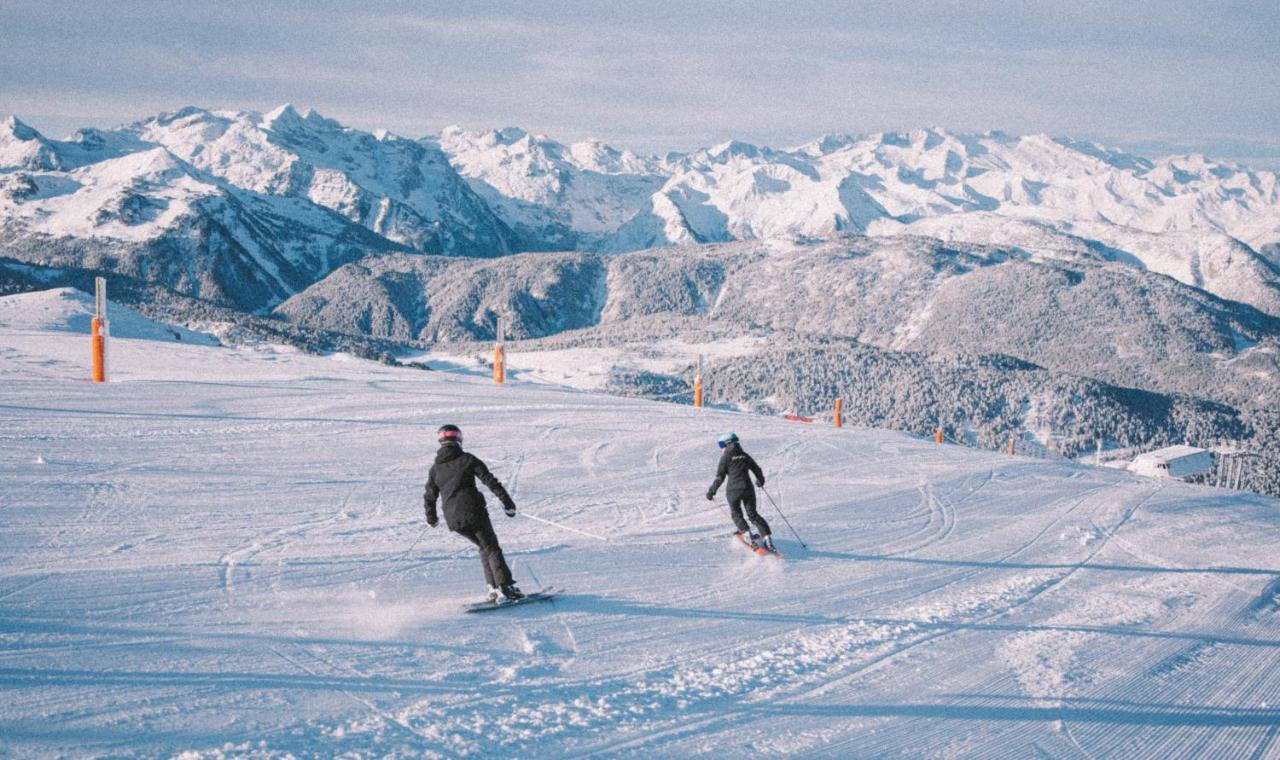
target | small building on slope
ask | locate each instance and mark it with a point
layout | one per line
(1181, 462)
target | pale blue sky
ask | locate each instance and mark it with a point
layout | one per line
(669, 75)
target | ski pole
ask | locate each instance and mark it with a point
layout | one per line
(414, 544)
(723, 511)
(563, 527)
(784, 518)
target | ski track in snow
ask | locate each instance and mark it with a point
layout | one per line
(223, 554)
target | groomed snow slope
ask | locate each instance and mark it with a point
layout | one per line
(218, 555)
(70, 310)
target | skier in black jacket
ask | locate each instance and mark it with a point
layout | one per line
(453, 476)
(737, 465)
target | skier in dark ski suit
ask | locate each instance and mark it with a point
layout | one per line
(737, 466)
(453, 477)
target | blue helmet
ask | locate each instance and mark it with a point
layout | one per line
(727, 439)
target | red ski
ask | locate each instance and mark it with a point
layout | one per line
(763, 551)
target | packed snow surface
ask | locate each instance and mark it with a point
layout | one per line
(71, 310)
(587, 368)
(223, 553)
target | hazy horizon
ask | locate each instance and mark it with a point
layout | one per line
(1152, 78)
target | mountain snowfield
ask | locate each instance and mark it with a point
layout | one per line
(222, 554)
(1211, 225)
(289, 175)
(559, 197)
(237, 208)
(70, 311)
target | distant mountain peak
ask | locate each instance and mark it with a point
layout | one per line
(165, 118)
(511, 135)
(731, 148)
(286, 117)
(281, 113)
(22, 147)
(18, 129)
(827, 144)
(1116, 158)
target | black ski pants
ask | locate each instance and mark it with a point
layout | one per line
(745, 501)
(496, 572)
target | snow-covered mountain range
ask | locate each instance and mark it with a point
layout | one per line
(1212, 225)
(241, 208)
(247, 209)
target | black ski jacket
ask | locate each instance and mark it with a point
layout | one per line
(453, 477)
(736, 465)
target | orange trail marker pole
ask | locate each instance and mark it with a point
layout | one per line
(697, 385)
(98, 330)
(938, 435)
(1010, 447)
(499, 355)
(99, 352)
(839, 416)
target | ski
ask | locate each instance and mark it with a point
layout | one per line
(757, 548)
(545, 595)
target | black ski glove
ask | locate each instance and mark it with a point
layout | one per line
(509, 507)
(431, 515)
(760, 482)
(711, 495)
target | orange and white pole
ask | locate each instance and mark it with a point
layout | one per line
(839, 416)
(697, 385)
(499, 356)
(99, 331)
(938, 435)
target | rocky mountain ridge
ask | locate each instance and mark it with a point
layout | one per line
(270, 203)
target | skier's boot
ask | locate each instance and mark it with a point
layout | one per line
(512, 592)
(767, 543)
(495, 594)
(755, 541)
(745, 538)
